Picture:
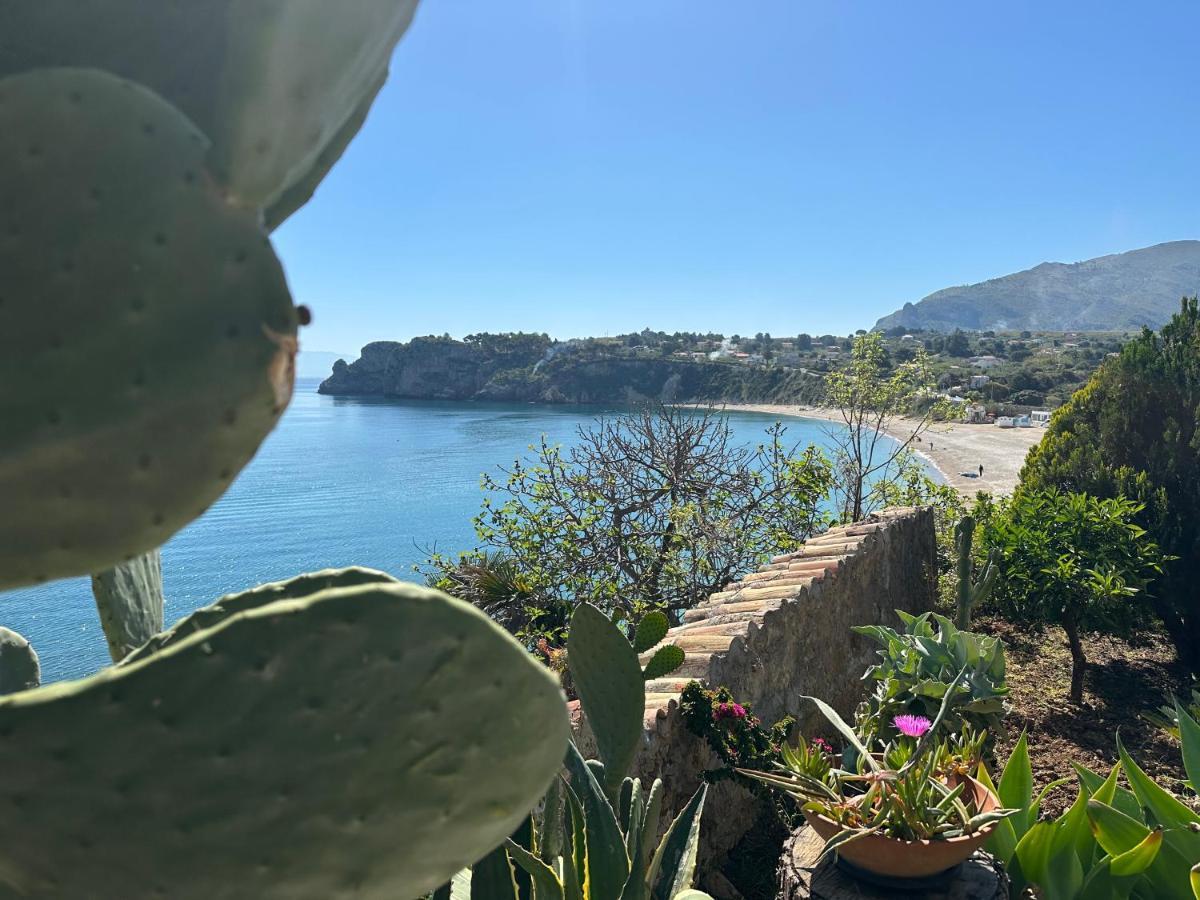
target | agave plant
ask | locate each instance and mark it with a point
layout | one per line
(908, 789)
(1113, 842)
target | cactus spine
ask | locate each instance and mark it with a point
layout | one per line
(971, 593)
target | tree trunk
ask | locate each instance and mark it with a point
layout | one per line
(1078, 660)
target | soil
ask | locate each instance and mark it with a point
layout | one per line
(1123, 681)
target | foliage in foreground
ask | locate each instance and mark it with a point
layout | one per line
(655, 509)
(1072, 560)
(1134, 431)
(1113, 842)
(907, 788)
(597, 832)
(920, 666)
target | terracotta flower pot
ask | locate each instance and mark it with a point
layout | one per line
(894, 858)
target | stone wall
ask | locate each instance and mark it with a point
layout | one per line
(775, 635)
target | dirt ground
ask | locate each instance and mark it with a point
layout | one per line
(1123, 680)
(951, 449)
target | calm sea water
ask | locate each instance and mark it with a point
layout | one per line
(341, 481)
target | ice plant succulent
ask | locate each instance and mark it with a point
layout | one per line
(897, 789)
(912, 726)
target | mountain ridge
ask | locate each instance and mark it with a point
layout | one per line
(1116, 292)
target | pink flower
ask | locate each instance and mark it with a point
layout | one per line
(729, 711)
(822, 745)
(913, 726)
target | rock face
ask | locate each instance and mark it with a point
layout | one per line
(1121, 292)
(539, 371)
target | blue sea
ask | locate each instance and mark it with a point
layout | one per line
(341, 481)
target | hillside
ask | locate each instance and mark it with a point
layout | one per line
(526, 368)
(1121, 292)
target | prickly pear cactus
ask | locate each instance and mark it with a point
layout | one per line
(147, 335)
(278, 86)
(293, 589)
(367, 741)
(129, 598)
(20, 669)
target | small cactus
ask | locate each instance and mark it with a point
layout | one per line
(971, 593)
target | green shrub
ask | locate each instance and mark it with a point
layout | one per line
(918, 666)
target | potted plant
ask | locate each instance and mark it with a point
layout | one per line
(907, 810)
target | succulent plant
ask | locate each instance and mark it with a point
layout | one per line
(369, 740)
(129, 598)
(971, 593)
(147, 348)
(20, 669)
(589, 840)
(278, 87)
(292, 589)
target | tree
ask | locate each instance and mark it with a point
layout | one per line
(871, 398)
(1133, 431)
(804, 342)
(654, 509)
(957, 344)
(1072, 560)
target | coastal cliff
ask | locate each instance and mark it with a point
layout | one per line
(535, 369)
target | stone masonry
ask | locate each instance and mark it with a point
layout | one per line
(779, 633)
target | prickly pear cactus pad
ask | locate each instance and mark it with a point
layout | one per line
(147, 335)
(363, 742)
(293, 589)
(279, 86)
(129, 598)
(20, 668)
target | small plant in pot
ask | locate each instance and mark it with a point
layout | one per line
(907, 810)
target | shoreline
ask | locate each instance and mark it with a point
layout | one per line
(950, 448)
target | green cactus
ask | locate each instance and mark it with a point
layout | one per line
(147, 338)
(129, 598)
(19, 666)
(971, 593)
(278, 86)
(293, 589)
(369, 740)
(587, 835)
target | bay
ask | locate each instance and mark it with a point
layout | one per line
(341, 481)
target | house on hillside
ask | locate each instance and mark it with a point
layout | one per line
(985, 362)
(975, 414)
(1040, 417)
(978, 381)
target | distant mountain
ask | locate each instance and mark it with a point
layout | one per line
(1121, 292)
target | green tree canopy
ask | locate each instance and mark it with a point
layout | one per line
(1132, 431)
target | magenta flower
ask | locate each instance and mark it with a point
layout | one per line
(822, 745)
(729, 711)
(913, 726)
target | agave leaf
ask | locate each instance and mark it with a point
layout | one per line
(650, 823)
(607, 862)
(1002, 842)
(1195, 879)
(1189, 738)
(575, 862)
(1137, 859)
(492, 877)
(1016, 786)
(546, 885)
(554, 813)
(1033, 851)
(1165, 809)
(1107, 791)
(674, 865)
(845, 731)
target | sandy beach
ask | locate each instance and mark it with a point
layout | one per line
(951, 448)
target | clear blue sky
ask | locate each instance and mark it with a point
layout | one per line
(585, 168)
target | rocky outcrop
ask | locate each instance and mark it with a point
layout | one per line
(444, 369)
